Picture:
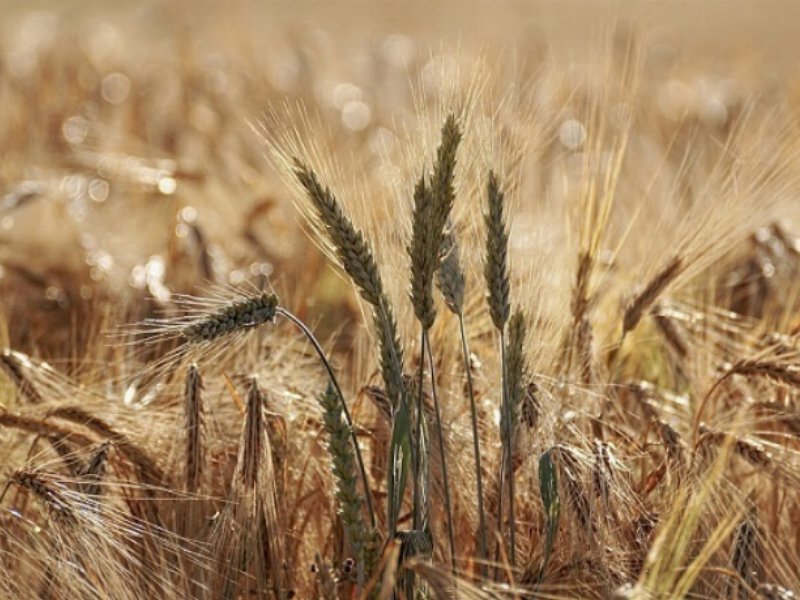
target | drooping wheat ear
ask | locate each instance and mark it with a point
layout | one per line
(148, 470)
(769, 369)
(11, 364)
(50, 492)
(750, 451)
(570, 470)
(744, 557)
(450, 276)
(237, 316)
(193, 430)
(641, 391)
(344, 471)
(772, 370)
(496, 268)
(43, 427)
(92, 474)
(359, 263)
(639, 304)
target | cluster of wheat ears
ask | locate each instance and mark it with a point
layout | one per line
(592, 394)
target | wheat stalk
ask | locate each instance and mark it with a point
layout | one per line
(451, 282)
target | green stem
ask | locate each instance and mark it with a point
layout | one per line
(482, 541)
(418, 453)
(443, 458)
(321, 353)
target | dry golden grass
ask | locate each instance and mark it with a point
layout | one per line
(556, 358)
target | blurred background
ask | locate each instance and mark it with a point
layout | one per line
(130, 170)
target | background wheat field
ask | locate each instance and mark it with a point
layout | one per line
(414, 300)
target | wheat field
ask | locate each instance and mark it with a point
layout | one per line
(399, 301)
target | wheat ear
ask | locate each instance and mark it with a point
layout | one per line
(498, 286)
(344, 472)
(193, 429)
(358, 261)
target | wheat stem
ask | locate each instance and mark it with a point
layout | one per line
(332, 376)
(440, 436)
(482, 541)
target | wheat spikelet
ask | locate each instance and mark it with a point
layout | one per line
(773, 370)
(11, 364)
(450, 275)
(496, 268)
(576, 491)
(193, 430)
(92, 474)
(638, 306)
(147, 468)
(50, 492)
